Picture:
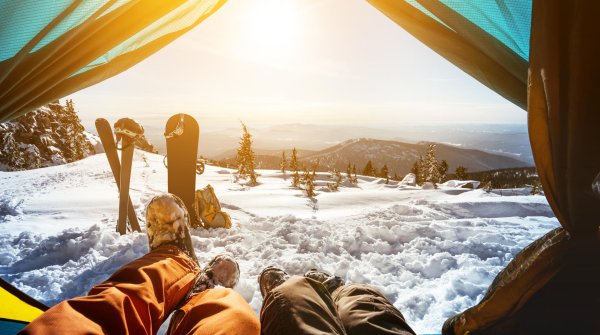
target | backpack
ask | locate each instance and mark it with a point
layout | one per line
(208, 208)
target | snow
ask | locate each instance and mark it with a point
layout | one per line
(95, 141)
(432, 252)
(462, 183)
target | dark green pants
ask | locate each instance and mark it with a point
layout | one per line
(303, 306)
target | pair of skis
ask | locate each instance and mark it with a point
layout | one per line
(181, 134)
(122, 172)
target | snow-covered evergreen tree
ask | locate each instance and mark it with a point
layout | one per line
(432, 169)
(49, 135)
(245, 157)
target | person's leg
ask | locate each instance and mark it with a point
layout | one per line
(218, 311)
(212, 311)
(134, 300)
(299, 306)
(364, 310)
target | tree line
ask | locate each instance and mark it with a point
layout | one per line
(426, 169)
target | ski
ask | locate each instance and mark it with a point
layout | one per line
(181, 134)
(108, 142)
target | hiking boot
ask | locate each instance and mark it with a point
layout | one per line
(220, 271)
(270, 278)
(330, 282)
(168, 223)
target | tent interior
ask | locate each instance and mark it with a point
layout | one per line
(541, 55)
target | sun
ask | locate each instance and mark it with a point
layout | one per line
(272, 29)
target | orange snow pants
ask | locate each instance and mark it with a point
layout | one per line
(137, 298)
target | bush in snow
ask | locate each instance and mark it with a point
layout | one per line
(308, 179)
(536, 188)
(351, 174)
(337, 177)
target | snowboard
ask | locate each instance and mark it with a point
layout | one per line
(181, 134)
(108, 142)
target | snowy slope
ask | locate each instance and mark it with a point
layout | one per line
(432, 252)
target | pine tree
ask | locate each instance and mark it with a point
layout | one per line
(369, 170)
(385, 173)
(461, 172)
(443, 169)
(245, 157)
(349, 174)
(294, 169)
(418, 169)
(283, 163)
(354, 173)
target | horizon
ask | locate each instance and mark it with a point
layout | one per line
(504, 139)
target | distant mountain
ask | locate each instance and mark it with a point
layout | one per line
(266, 152)
(264, 158)
(508, 140)
(399, 157)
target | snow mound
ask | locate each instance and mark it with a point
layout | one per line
(472, 184)
(432, 253)
(409, 180)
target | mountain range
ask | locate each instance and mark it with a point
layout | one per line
(505, 139)
(399, 156)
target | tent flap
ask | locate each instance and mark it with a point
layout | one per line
(487, 41)
(53, 47)
(563, 109)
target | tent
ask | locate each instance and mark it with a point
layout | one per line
(17, 309)
(542, 55)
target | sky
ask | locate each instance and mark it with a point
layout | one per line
(267, 62)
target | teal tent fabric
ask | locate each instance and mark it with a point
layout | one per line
(508, 21)
(52, 48)
(488, 39)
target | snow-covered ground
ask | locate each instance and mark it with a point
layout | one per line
(432, 252)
